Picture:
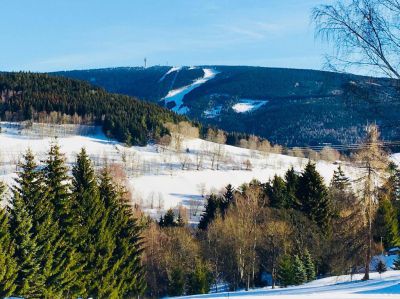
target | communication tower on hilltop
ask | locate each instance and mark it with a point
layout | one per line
(145, 62)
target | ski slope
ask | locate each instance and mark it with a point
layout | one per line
(382, 286)
(176, 95)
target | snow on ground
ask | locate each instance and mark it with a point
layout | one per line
(248, 105)
(396, 158)
(177, 95)
(155, 174)
(213, 112)
(171, 70)
(382, 286)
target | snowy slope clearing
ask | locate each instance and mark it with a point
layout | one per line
(382, 286)
(247, 105)
(176, 95)
(159, 178)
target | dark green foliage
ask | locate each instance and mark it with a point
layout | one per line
(386, 225)
(308, 266)
(124, 118)
(200, 280)
(58, 243)
(396, 263)
(313, 195)
(29, 282)
(168, 220)
(299, 272)
(381, 267)
(176, 283)
(227, 199)
(211, 210)
(276, 191)
(124, 271)
(58, 261)
(8, 265)
(285, 271)
(57, 181)
(292, 181)
(180, 221)
(340, 181)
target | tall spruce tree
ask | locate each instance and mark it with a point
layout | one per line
(308, 265)
(211, 210)
(277, 193)
(94, 238)
(8, 265)
(314, 198)
(126, 271)
(59, 189)
(227, 199)
(299, 272)
(285, 271)
(340, 181)
(386, 224)
(292, 181)
(29, 281)
(56, 258)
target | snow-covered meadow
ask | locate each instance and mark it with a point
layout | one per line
(158, 178)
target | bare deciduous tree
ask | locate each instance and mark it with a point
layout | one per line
(365, 33)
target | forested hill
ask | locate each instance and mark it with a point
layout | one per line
(287, 106)
(26, 96)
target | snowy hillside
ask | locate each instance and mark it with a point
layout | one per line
(159, 178)
(382, 286)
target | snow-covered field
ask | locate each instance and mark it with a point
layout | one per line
(161, 178)
(176, 95)
(382, 286)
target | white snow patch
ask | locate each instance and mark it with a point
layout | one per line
(248, 105)
(177, 95)
(213, 112)
(171, 70)
(379, 286)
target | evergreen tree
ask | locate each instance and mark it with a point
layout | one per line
(340, 181)
(56, 258)
(285, 272)
(199, 280)
(396, 263)
(125, 272)
(309, 266)
(314, 198)
(176, 284)
(277, 193)
(228, 199)
(292, 181)
(29, 282)
(180, 221)
(169, 219)
(8, 265)
(161, 222)
(57, 181)
(93, 236)
(381, 267)
(386, 224)
(211, 210)
(299, 271)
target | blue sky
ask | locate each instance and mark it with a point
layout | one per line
(48, 35)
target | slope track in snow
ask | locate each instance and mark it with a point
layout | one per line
(177, 95)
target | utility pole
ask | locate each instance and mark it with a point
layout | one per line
(145, 62)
